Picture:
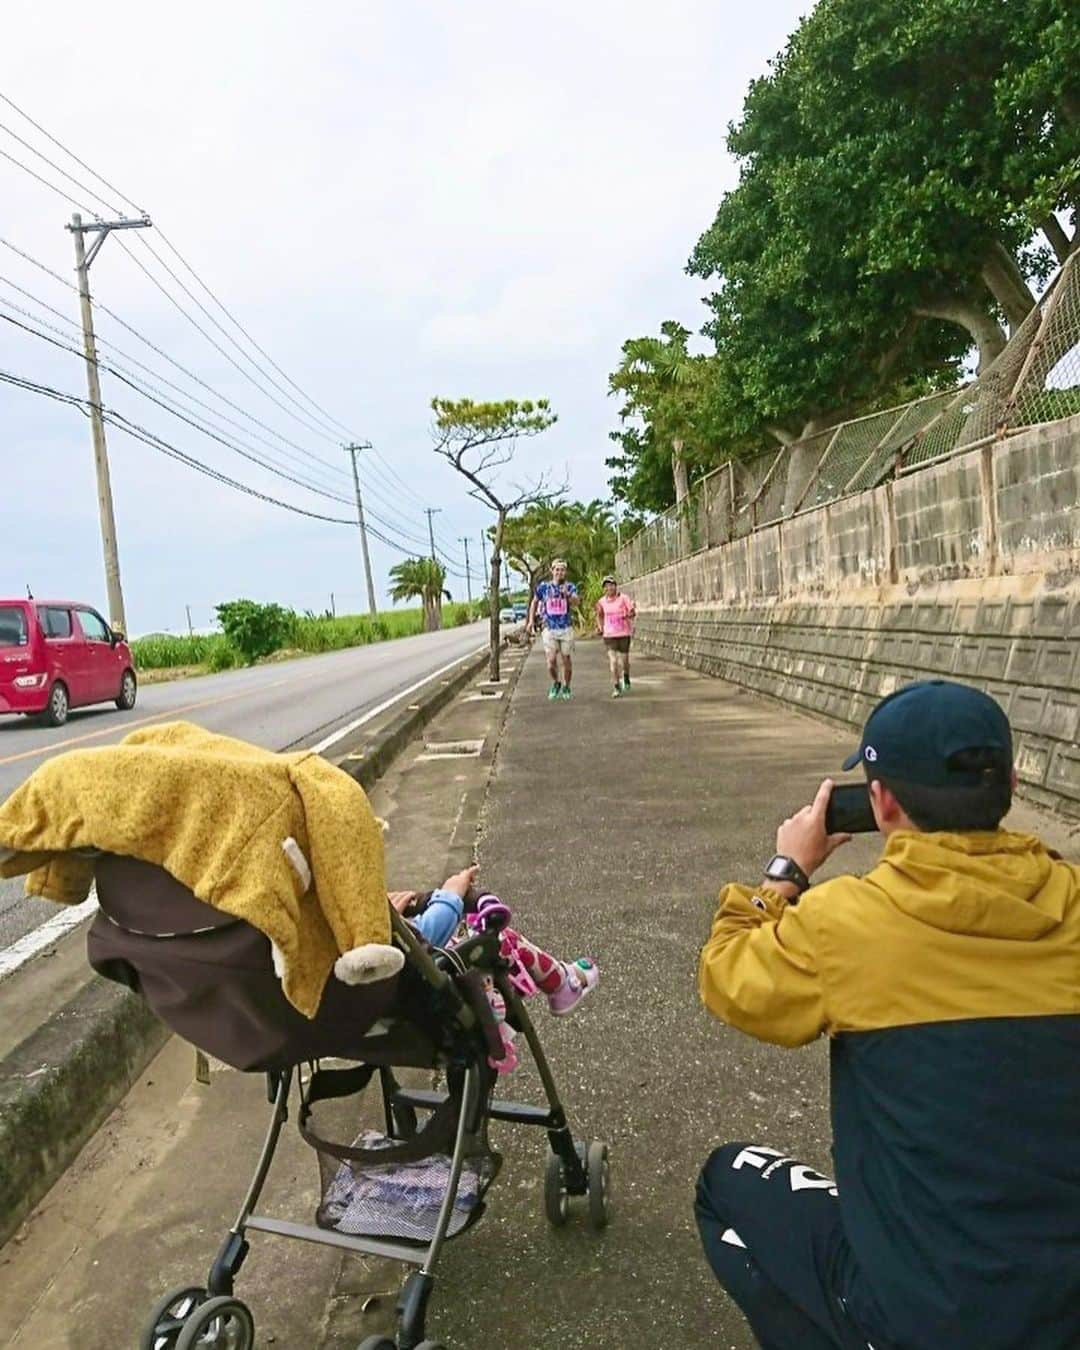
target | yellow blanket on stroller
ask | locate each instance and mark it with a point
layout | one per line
(287, 842)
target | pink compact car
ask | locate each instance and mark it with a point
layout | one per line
(56, 655)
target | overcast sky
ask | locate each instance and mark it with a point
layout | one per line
(397, 200)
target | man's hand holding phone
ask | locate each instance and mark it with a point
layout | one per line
(806, 840)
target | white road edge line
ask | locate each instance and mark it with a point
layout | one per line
(52, 930)
(45, 935)
(321, 746)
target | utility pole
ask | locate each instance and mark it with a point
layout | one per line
(430, 511)
(483, 552)
(351, 451)
(468, 574)
(97, 422)
(191, 630)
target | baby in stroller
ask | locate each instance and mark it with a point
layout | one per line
(437, 916)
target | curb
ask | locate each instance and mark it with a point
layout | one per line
(61, 1083)
(374, 756)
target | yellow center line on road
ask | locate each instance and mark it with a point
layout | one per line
(155, 717)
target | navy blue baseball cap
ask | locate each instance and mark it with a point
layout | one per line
(912, 735)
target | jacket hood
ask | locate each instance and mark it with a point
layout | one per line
(993, 884)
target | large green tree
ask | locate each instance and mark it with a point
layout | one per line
(478, 440)
(896, 165)
(909, 176)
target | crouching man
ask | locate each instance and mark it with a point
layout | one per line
(948, 982)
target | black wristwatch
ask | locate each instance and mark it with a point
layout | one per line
(782, 868)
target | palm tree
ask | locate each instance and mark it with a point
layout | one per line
(423, 579)
(662, 383)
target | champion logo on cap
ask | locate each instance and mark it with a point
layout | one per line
(871, 754)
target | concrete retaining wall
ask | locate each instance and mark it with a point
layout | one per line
(968, 569)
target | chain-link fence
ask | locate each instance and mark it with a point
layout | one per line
(1035, 379)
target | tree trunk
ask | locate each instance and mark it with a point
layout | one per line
(780, 433)
(1006, 284)
(983, 328)
(678, 470)
(1056, 237)
(493, 599)
(802, 462)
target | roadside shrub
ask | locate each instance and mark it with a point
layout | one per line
(256, 630)
(223, 656)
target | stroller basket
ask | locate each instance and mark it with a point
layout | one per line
(400, 1200)
(381, 1186)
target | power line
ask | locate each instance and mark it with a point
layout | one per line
(120, 372)
(165, 240)
(140, 433)
(154, 281)
(158, 443)
(416, 539)
(141, 386)
(113, 366)
(403, 542)
(43, 181)
(38, 127)
(164, 402)
(232, 317)
(52, 165)
(317, 429)
(325, 416)
(171, 360)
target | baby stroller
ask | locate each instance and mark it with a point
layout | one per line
(399, 1195)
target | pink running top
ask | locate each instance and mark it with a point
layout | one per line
(617, 614)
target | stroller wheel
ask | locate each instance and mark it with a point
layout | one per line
(378, 1343)
(556, 1196)
(599, 1170)
(169, 1315)
(218, 1324)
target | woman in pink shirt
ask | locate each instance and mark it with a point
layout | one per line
(614, 623)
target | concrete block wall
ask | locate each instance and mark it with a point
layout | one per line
(968, 569)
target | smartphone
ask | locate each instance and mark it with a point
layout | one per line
(849, 810)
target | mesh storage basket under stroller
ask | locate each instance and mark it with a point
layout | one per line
(381, 1185)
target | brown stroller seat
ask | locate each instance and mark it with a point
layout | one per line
(211, 979)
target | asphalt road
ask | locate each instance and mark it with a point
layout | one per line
(283, 706)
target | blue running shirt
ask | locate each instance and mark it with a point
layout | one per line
(555, 602)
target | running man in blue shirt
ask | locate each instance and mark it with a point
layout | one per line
(556, 599)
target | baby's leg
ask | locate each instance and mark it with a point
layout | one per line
(546, 972)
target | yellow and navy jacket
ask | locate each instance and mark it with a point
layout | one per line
(948, 981)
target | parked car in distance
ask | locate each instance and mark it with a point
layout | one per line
(521, 610)
(506, 614)
(58, 654)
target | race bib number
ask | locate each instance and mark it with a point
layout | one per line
(556, 605)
